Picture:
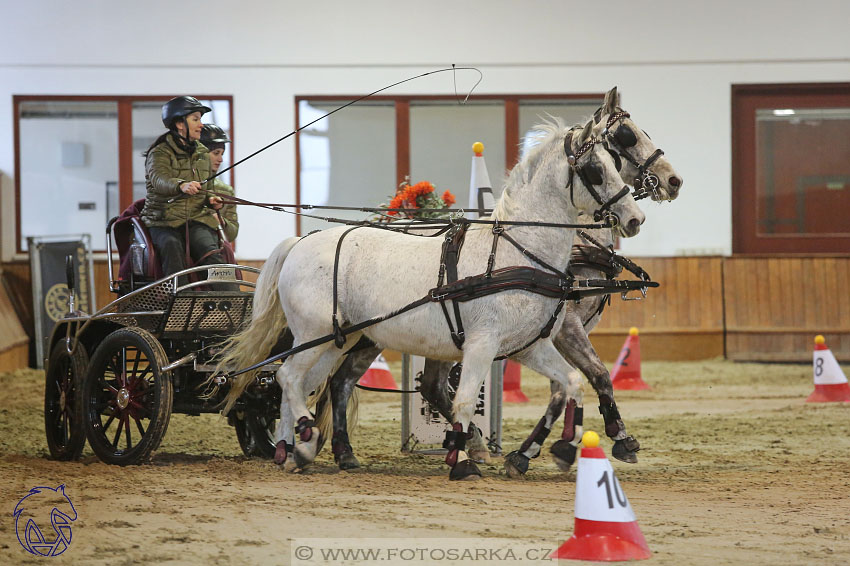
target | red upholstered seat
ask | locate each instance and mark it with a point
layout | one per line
(138, 260)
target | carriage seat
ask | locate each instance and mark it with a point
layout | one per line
(138, 262)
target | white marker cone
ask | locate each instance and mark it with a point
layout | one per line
(480, 189)
(605, 525)
(830, 382)
(378, 375)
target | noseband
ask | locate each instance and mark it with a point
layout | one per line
(572, 157)
(646, 182)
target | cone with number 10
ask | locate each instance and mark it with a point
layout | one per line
(830, 382)
(605, 525)
(626, 372)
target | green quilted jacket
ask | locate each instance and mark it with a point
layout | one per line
(167, 166)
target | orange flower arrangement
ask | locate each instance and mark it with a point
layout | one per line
(421, 195)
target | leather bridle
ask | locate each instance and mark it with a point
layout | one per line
(603, 212)
(647, 182)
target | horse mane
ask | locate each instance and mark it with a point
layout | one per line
(551, 130)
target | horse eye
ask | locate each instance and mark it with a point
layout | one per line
(593, 173)
(625, 136)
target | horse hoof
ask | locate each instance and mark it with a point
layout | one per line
(280, 453)
(480, 456)
(564, 455)
(305, 452)
(465, 470)
(626, 450)
(347, 461)
(516, 464)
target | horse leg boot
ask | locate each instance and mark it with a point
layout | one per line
(575, 346)
(564, 450)
(544, 358)
(625, 447)
(516, 463)
(434, 388)
(477, 358)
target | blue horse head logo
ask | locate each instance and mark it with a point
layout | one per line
(33, 508)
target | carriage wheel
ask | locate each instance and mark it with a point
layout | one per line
(63, 416)
(126, 397)
(255, 434)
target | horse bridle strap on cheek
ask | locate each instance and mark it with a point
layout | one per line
(646, 182)
(573, 158)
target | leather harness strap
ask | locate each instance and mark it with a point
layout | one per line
(448, 269)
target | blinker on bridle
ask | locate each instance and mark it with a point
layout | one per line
(590, 175)
(620, 139)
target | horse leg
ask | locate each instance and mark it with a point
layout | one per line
(284, 435)
(299, 375)
(545, 359)
(516, 463)
(477, 357)
(342, 387)
(433, 386)
(573, 343)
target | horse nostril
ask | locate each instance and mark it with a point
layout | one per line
(674, 181)
(634, 225)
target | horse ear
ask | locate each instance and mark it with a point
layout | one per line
(586, 132)
(612, 101)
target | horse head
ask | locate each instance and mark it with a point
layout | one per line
(638, 159)
(594, 184)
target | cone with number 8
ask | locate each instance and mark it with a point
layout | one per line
(626, 372)
(605, 525)
(830, 382)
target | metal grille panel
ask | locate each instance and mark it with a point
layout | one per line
(209, 312)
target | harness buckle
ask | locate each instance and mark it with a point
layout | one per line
(438, 297)
(625, 296)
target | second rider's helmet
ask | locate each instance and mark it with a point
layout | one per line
(212, 136)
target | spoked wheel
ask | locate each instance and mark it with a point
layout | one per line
(126, 397)
(255, 434)
(63, 416)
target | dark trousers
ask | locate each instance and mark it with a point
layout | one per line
(170, 245)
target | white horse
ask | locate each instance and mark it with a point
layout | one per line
(380, 271)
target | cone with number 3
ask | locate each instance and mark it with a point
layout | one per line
(605, 525)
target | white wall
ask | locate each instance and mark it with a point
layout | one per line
(673, 61)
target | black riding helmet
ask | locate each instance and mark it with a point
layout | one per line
(212, 136)
(180, 107)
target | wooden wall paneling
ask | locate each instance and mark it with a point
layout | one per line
(757, 308)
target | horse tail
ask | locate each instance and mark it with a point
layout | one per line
(255, 341)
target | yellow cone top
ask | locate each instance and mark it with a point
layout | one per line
(478, 148)
(819, 340)
(633, 331)
(590, 439)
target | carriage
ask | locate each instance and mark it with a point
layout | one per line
(114, 377)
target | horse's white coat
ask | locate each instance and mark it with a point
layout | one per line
(381, 271)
